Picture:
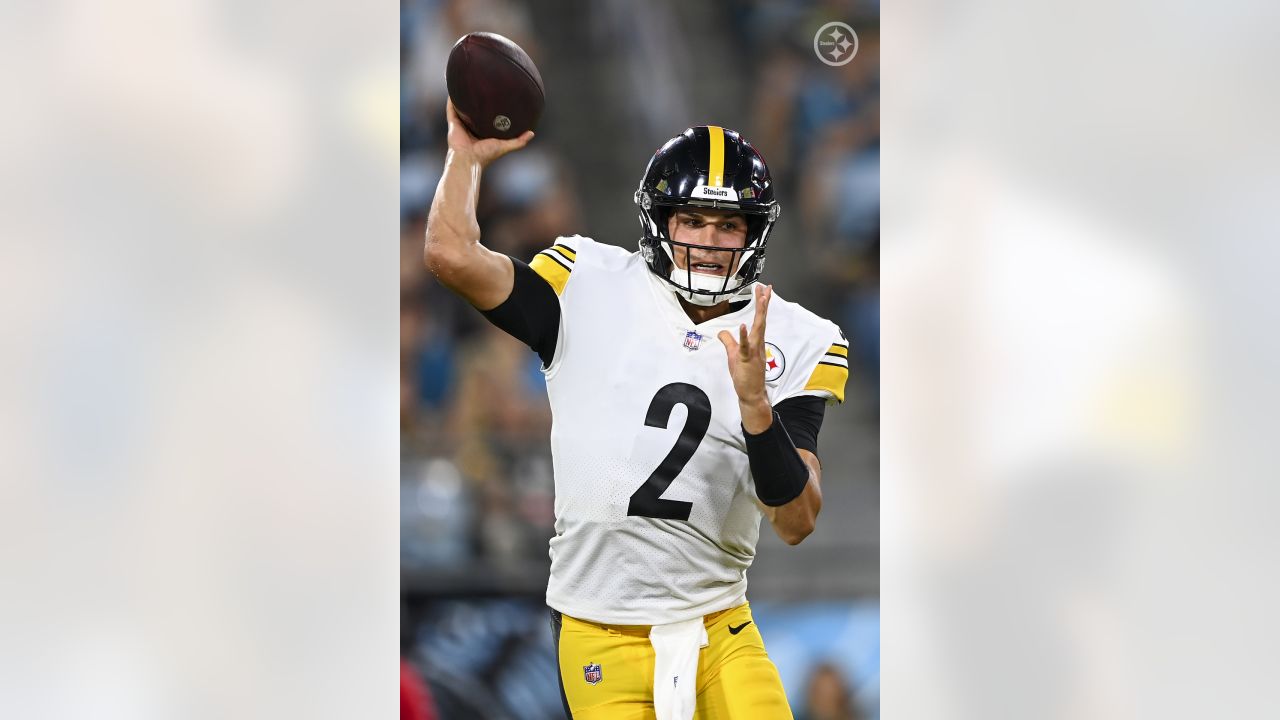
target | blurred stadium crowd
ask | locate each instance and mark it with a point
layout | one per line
(476, 481)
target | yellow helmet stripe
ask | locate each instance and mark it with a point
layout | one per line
(715, 178)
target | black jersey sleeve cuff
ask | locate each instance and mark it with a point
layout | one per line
(531, 313)
(802, 416)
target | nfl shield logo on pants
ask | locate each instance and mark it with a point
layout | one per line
(591, 673)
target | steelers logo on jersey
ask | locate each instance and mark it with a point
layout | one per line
(774, 362)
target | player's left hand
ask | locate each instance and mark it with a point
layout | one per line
(746, 354)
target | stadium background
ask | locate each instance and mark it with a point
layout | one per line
(476, 488)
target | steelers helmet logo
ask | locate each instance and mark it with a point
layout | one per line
(774, 362)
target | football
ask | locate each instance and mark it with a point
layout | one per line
(495, 87)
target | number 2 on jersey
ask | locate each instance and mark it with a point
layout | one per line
(647, 500)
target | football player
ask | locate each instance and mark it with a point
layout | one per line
(686, 401)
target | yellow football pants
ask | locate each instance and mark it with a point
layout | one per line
(736, 679)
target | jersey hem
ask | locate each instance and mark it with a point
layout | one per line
(824, 394)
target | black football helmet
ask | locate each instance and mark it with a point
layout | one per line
(711, 167)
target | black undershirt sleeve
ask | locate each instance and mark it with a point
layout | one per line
(802, 417)
(531, 313)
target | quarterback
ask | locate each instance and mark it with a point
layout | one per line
(686, 402)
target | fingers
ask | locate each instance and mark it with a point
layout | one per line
(455, 120)
(519, 142)
(745, 345)
(763, 293)
(492, 148)
(460, 137)
(730, 346)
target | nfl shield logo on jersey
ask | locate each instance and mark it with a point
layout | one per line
(591, 673)
(692, 340)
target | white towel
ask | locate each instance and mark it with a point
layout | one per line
(675, 668)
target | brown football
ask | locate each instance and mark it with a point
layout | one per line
(495, 87)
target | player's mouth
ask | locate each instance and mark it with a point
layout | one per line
(709, 268)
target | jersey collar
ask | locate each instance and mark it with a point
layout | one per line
(670, 306)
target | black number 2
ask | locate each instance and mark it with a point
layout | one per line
(647, 500)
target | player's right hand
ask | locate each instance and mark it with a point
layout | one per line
(483, 151)
(746, 354)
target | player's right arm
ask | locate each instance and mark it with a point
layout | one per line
(453, 252)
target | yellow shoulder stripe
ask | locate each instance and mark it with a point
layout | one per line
(555, 272)
(565, 250)
(829, 377)
(840, 350)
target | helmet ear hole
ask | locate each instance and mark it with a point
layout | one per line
(663, 216)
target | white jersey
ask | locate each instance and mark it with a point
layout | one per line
(656, 514)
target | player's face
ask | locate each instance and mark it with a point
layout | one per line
(711, 229)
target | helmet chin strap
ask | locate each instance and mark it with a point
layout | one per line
(704, 282)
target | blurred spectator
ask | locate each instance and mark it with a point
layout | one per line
(437, 514)
(650, 49)
(415, 698)
(495, 395)
(828, 697)
(822, 126)
(528, 200)
(500, 418)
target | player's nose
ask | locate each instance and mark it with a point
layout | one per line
(706, 235)
(711, 236)
(709, 251)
